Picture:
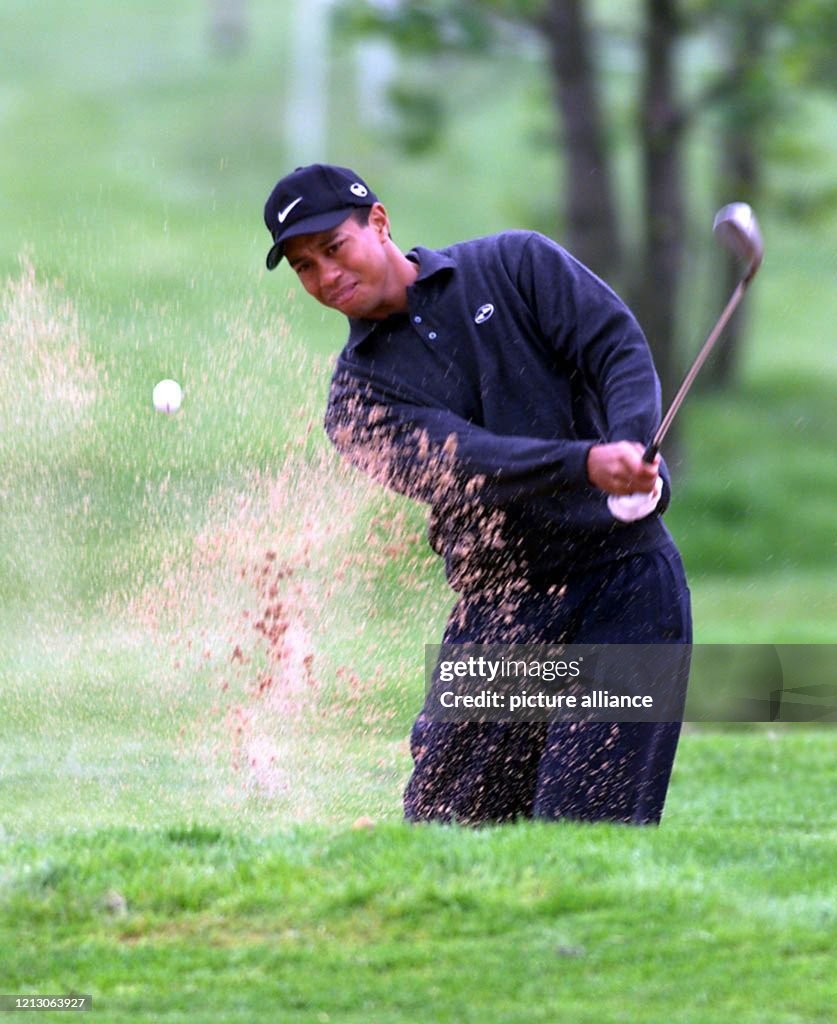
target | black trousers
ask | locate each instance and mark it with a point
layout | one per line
(478, 773)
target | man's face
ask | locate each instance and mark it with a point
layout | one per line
(350, 268)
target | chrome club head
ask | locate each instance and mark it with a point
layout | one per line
(737, 229)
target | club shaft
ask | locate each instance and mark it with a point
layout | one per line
(694, 370)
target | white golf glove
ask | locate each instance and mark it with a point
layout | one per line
(627, 508)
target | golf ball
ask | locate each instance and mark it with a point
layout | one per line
(167, 396)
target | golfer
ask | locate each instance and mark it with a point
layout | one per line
(502, 383)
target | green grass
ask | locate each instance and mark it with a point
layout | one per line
(175, 839)
(726, 913)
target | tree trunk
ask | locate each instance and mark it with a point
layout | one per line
(592, 225)
(658, 288)
(740, 177)
(228, 26)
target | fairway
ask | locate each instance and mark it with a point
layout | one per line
(725, 913)
(212, 630)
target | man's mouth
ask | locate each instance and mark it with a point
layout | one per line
(342, 295)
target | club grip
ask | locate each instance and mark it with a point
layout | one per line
(650, 452)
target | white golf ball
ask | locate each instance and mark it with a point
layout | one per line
(167, 396)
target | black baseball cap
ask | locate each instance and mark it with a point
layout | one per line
(311, 199)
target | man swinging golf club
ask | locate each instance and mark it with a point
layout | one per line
(503, 384)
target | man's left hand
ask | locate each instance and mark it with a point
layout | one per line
(618, 468)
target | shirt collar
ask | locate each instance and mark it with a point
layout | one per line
(430, 261)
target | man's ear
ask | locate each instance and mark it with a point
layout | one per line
(379, 221)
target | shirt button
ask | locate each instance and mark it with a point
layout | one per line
(432, 335)
(416, 319)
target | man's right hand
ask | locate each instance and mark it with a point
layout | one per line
(618, 468)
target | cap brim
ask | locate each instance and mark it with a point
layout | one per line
(306, 226)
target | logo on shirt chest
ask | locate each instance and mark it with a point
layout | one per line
(484, 313)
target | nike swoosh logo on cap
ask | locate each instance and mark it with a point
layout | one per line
(283, 214)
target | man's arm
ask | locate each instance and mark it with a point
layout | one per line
(590, 327)
(594, 330)
(433, 455)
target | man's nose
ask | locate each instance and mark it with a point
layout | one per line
(329, 272)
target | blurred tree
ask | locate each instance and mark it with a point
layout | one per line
(591, 222)
(767, 48)
(757, 48)
(305, 115)
(228, 26)
(749, 102)
(655, 290)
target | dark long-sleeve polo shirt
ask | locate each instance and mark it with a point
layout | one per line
(485, 397)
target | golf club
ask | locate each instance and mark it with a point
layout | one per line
(736, 228)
